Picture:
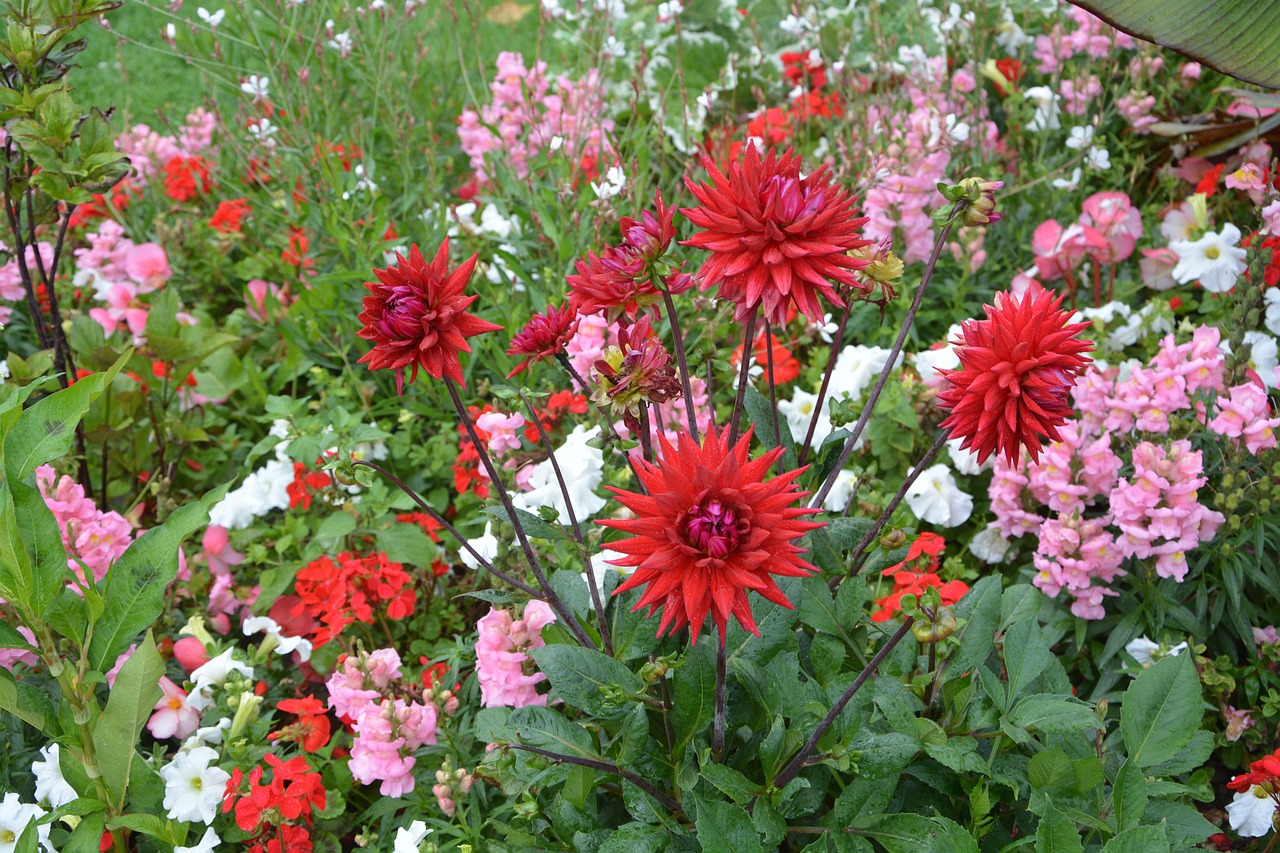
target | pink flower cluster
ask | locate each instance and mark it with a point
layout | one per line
(120, 272)
(1098, 519)
(507, 674)
(388, 728)
(1106, 231)
(93, 538)
(913, 153)
(530, 111)
(1090, 35)
(11, 288)
(148, 151)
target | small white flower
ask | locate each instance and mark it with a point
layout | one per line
(51, 786)
(207, 735)
(1045, 101)
(1251, 812)
(170, 32)
(669, 10)
(1214, 259)
(936, 499)
(990, 545)
(1081, 137)
(794, 25)
(4, 369)
(256, 87)
(956, 129)
(841, 492)
(284, 645)
(486, 546)
(800, 410)
(262, 129)
(556, 143)
(212, 19)
(966, 461)
(493, 223)
(14, 817)
(1069, 184)
(409, 837)
(613, 47)
(1146, 651)
(342, 43)
(194, 785)
(208, 843)
(615, 180)
(1098, 158)
(213, 674)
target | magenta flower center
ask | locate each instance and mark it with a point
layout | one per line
(713, 528)
(403, 314)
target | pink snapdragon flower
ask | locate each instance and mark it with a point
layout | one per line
(92, 537)
(503, 430)
(501, 656)
(1251, 178)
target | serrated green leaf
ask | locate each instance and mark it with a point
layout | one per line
(580, 676)
(1161, 710)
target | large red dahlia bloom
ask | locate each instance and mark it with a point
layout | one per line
(710, 529)
(775, 237)
(1017, 368)
(416, 314)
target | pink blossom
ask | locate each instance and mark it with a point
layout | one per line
(503, 430)
(173, 716)
(148, 265)
(261, 296)
(501, 655)
(190, 654)
(1251, 178)
(1136, 108)
(1189, 71)
(360, 679)
(218, 553)
(9, 658)
(93, 538)
(1115, 217)
(1156, 266)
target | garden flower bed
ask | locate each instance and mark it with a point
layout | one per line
(634, 426)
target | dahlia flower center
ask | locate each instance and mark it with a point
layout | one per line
(791, 199)
(713, 528)
(404, 313)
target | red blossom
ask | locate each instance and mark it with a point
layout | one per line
(306, 485)
(1017, 368)
(311, 731)
(416, 316)
(337, 594)
(710, 529)
(229, 217)
(185, 178)
(543, 337)
(775, 238)
(1209, 182)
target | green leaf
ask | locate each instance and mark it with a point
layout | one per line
(547, 729)
(45, 431)
(980, 612)
(580, 676)
(1161, 710)
(40, 572)
(334, 527)
(1050, 768)
(1026, 654)
(129, 704)
(725, 828)
(1140, 839)
(635, 838)
(900, 833)
(1237, 37)
(1053, 714)
(1129, 796)
(1186, 826)
(135, 586)
(407, 543)
(87, 837)
(693, 694)
(27, 703)
(11, 639)
(732, 783)
(1057, 834)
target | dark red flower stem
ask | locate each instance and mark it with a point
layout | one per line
(856, 557)
(798, 762)
(836, 343)
(573, 374)
(889, 364)
(773, 392)
(605, 767)
(566, 615)
(646, 435)
(718, 721)
(686, 386)
(449, 528)
(596, 601)
(743, 377)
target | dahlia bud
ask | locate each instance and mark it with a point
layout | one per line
(883, 268)
(893, 540)
(979, 201)
(936, 627)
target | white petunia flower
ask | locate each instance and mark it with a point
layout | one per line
(1146, 651)
(1081, 137)
(1045, 101)
(1263, 356)
(936, 499)
(208, 843)
(486, 546)
(207, 735)
(283, 645)
(51, 786)
(1272, 318)
(14, 817)
(581, 466)
(194, 785)
(794, 25)
(966, 461)
(1252, 812)
(408, 838)
(841, 492)
(556, 143)
(799, 411)
(601, 566)
(1214, 259)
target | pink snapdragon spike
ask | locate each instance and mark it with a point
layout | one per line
(173, 716)
(148, 266)
(501, 649)
(503, 430)
(92, 537)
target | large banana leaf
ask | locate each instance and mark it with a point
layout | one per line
(1237, 37)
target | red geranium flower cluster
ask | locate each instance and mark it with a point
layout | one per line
(917, 573)
(336, 594)
(103, 207)
(311, 730)
(306, 486)
(296, 254)
(186, 177)
(229, 217)
(1265, 772)
(269, 810)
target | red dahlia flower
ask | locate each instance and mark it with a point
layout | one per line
(1017, 368)
(544, 337)
(710, 529)
(416, 315)
(775, 237)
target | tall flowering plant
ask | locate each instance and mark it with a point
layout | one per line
(708, 532)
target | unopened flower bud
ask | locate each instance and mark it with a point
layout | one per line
(980, 201)
(654, 670)
(935, 629)
(893, 539)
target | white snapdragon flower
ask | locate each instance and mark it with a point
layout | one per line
(194, 785)
(1214, 259)
(284, 645)
(583, 469)
(936, 499)
(51, 786)
(486, 546)
(408, 838)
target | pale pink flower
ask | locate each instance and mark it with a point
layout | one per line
(173, 716)
(148, 265)
(1156, 266)
(501, 654)
(1250, 178)
(9, 658)
(503, 430)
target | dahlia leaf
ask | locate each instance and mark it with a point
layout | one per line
(725, 828)
(1238, 37)
(1161, 710)
(587, 679)
(693, 694)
